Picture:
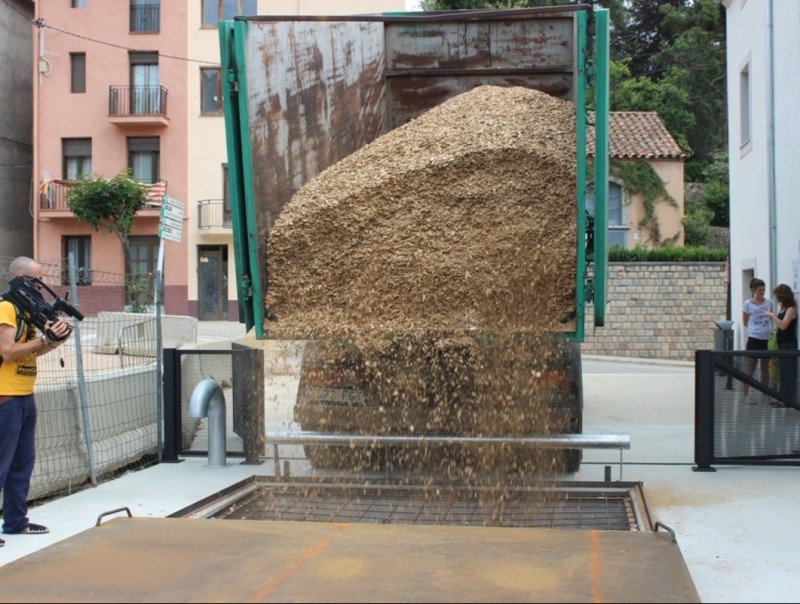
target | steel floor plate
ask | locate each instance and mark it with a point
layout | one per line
(185, 560)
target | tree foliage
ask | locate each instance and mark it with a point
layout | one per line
(670, 58)
(109, 204)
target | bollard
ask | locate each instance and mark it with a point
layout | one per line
(209, 401)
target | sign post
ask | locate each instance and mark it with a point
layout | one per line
(170, 227)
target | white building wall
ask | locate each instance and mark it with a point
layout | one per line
(764, 243)
(787, 141)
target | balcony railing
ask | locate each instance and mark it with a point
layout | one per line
(137, 101)
(212, 214)
(145, 18)
(53, 194)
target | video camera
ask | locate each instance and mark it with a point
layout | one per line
(26, 294)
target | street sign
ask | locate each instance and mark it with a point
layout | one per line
(172, 208)
(171, 222)
(175, 225)
(166, 232)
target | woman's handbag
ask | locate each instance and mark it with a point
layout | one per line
(772, 343)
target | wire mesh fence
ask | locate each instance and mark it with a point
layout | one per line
(98, 394)
(747, 410)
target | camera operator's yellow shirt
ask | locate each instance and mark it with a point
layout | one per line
(17, 377)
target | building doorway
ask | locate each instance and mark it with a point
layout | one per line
(212, 283)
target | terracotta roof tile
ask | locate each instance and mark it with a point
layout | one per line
(637, 135)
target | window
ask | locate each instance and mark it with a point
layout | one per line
(144, 257)
(210, 91)
(744, 106)
(144, 254)
(81, 250)
(145, 87)
(77, 61)
(614, 204)
(77, 154)
(78, 3)
(214, 10)
(227, 219)
(143, 159)
(617, 229)
(145, 16)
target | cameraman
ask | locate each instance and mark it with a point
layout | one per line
(19, 348)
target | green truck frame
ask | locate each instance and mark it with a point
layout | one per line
(301, 93)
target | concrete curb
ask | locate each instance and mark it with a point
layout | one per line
(637, 360)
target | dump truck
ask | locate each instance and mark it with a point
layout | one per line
(307, 100)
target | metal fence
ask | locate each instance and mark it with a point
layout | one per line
(240, 373)
(97, 395)
(742, 415)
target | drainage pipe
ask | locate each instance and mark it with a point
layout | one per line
(208, 401)
(772, 198)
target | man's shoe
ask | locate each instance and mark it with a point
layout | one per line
(2, 543)
(31, 529)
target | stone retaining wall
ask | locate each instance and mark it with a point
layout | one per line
(659, 310)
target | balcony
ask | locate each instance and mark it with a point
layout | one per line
(137, 105)
(213, 215)
(53, 201)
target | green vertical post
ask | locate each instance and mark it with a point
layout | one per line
(232, 35)
(601, 54)
(580, 177)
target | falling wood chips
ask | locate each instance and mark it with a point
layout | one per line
(461, 220)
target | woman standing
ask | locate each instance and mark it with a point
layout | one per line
(755, 311)
(786, 323)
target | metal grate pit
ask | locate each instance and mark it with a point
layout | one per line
(561, 505)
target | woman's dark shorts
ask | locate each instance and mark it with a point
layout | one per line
(756, 344)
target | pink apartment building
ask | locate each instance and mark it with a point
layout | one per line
(135, 84)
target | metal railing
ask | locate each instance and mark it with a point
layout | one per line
(53, 194)
(137, 340)
(137, 100)
(213, 214)
(275, 438)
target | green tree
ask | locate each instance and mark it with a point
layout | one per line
(672, 61)
(667, 97)
(641, 36)
(696, 229)
(110, 205)
(716, 192)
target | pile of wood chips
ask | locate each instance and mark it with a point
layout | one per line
(461, 221)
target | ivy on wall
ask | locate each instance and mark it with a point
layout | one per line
(641, 178)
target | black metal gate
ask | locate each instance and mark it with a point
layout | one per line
(240, 373)
(742, 414)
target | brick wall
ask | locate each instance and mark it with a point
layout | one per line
(659, 310)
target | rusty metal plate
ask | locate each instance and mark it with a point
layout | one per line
(183, 560)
